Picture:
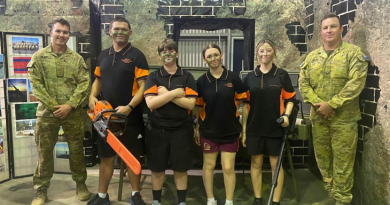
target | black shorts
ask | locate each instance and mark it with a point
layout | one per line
(133, 139)
(257, 145)
(169, 149)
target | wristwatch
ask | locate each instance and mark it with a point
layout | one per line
(287, 115)
(131, 107)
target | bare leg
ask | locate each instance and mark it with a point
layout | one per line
(106, 170)
(209, 160)
(229, 176)
(279, 188)
(256, 174)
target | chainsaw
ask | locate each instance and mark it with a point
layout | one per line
(110, 125)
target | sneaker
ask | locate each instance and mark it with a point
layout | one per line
(40, 197)
(275, 203)
(182, 203)
(258, 201)
(96, 200)
(82, 192)
(212, 202)
(136, 199)
(329, 200)
(155, 202)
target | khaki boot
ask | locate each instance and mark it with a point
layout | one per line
(40, 197)
(82, 192)
(329, 200)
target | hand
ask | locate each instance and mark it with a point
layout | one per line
(179, 92)
(123, 109)
(324, 109)
(62, 111)
(285, 121)
(92, 102)
(161, 90)
(197, 136)
(243, 138)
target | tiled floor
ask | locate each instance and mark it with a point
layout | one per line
(62, 189)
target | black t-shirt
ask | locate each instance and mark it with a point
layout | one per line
(119, 73)
(266, 94)
(219, 117)
(171, 116)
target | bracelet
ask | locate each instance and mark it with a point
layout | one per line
(287, 115)
(131, 107)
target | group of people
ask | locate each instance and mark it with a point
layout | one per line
(331, 79)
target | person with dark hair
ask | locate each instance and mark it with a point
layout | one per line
(218, 128)
(331, 79)
(60, 80)
(170, 93)
(120, 76)
(269, 95)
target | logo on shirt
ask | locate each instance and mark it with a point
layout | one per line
(229, 85)
(126, 60)
(206, 146)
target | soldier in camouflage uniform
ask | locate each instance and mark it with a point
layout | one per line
(331, 80)
(60, 80)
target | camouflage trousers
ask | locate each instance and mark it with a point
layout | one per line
(335, 149)
(46, 136)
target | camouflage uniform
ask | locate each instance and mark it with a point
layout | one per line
(338, 80)
(58, 80)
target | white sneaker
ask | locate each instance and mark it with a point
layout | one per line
(155, 202)
(212, 202)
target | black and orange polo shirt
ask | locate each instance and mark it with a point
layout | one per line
(219, 117)
(266, 95)
(119, 73)
(171, 116)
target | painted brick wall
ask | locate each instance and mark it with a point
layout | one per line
(109, 10)
(309, 7)
(346, 10)
(297, 36)
(168, 9)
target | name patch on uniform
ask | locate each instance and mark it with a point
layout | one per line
(43, 56)
(229, 85)
(126, 60)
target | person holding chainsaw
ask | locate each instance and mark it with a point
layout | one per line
(170, 93)
(269, 88)
(60, 80)
(120, 78)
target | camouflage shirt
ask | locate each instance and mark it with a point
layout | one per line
(57, 80)
(337, 79)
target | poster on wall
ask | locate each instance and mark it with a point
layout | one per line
(62, 150)
(17, 90)
(2, 74)
(19, 49)
(25, 111)
(31, 96)
(25, 128)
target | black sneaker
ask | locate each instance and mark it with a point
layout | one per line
(258, 202)
(136, 199)
(96, 200)
(275, 203)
